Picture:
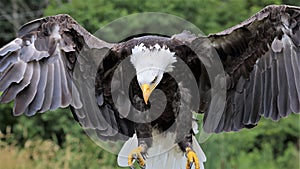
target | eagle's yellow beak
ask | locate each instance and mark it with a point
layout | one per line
(146, 89)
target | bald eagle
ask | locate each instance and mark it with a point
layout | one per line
(49, 65)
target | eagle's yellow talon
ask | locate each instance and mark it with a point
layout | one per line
(136, 154)
(191, 158)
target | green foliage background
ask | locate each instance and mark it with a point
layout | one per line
(55, 140)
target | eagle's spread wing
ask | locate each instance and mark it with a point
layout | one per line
(53, 63)
(261, 58)
(36, 68)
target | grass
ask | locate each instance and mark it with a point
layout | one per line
(37, 153)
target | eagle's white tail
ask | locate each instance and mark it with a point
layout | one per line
(163, 154)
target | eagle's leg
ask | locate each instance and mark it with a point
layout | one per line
(144, 135)
(184, 135)
(192, 158)
(137, 154)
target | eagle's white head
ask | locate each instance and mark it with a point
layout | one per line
(150, 65)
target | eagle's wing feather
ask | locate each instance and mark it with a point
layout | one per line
(36, 68)
(261, 58)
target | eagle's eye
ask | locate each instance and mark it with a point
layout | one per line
(154, 80)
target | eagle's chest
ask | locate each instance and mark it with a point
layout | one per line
(163, 106)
